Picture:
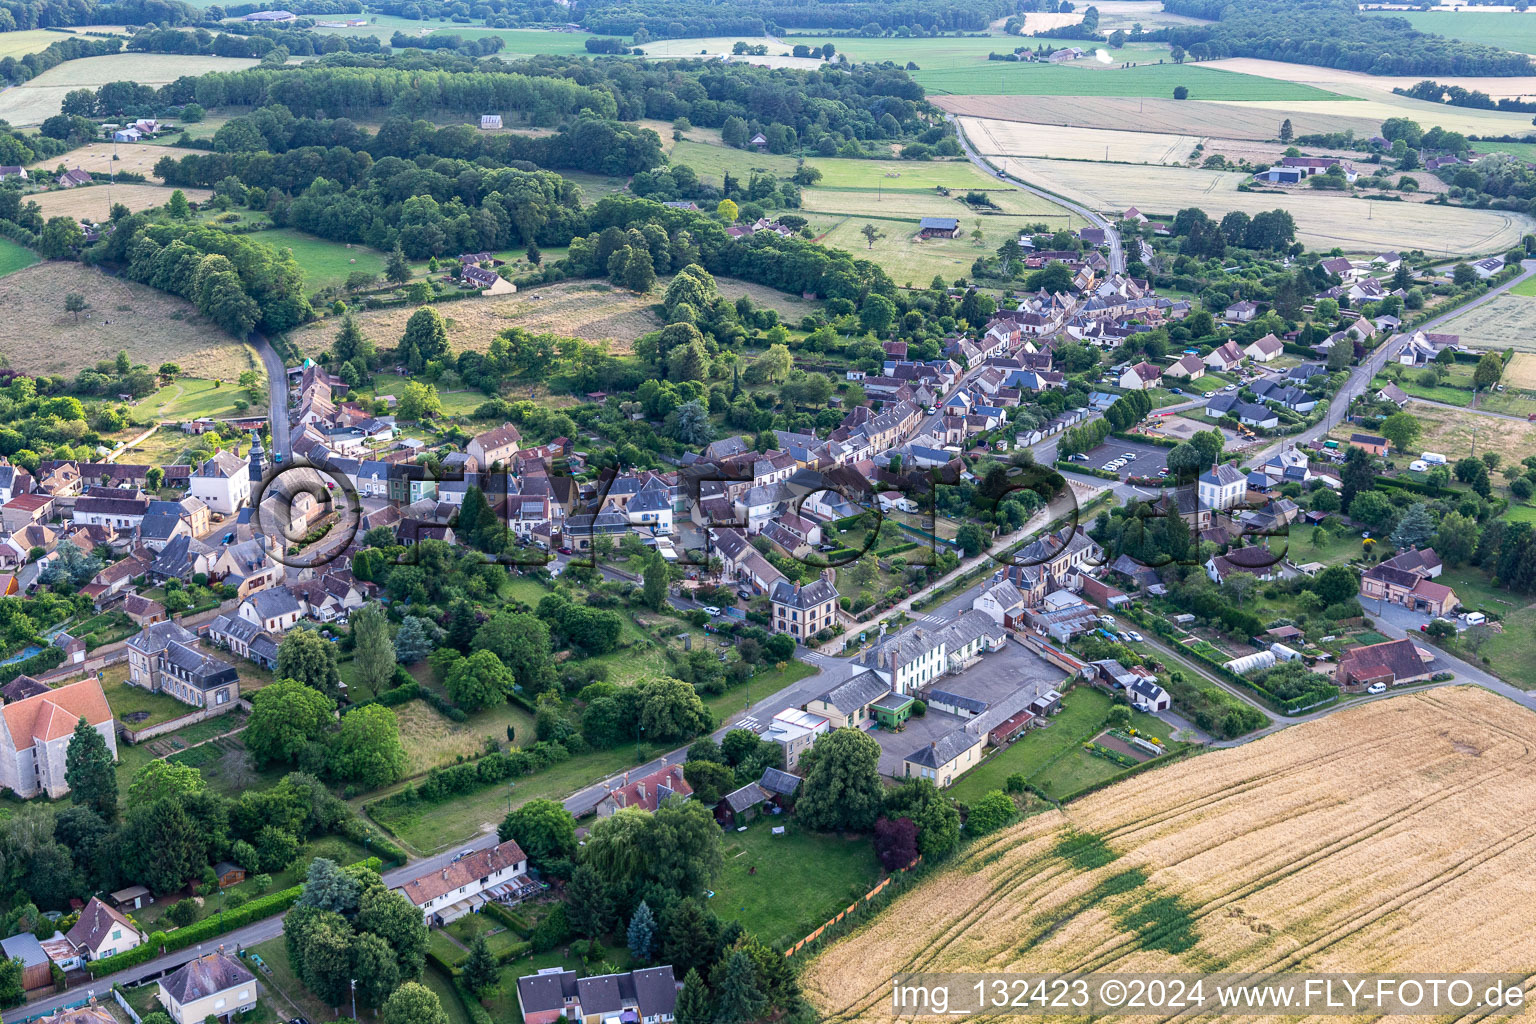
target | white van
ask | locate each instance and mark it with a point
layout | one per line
(1474, 618)
(1433, 458)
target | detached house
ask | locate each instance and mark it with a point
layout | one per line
(1265, 349)
(1408, 579)
(102, 931)
(1186, 367)
(1224, 358)
(804, 611)
(213, 985)
(1140, 377)
(646, 996)
(166, 658)
(461, 887)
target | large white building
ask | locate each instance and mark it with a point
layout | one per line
(223, 482)
(1222, 487)
(35, 734)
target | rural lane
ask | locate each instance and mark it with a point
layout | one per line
(1116, 250)
(277, 394)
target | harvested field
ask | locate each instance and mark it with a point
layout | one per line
(152, 326)
(1322, 221)
(576, 309)
(1357, 83)
(41, 98)
(1149, 14)
(96, 201)
(904, 204)
(1041, 21)
(1193, 117)
(96, 157)
(1505, 321)
(1521, 372)
(1466, 120)
(35, 40)
(1013, 138)
(1247, 859)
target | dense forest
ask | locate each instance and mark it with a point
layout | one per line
(239, 40)
(1332, 33)
(25, 14)
(676, 18)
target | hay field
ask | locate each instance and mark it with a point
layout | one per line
(96, 201)
(1014, 138)
(41, 98)
(154, 327)
(35, 40)
(96, 157)
(1450, 431)
(1041, 21)
(577, 309)
(1505, 321)
(1193, 117)
(1505, 28)
(1149, 14)
(1521, 372)
(1466, 120)
(1322, 221)
(1248, 859)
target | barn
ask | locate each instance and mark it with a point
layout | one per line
(938, 227)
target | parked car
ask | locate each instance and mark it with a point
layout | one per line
(1175, 391)
(710, 609)
(1210, 394)
(1124, 637)
(1230, 387)
(1108, 620)
(1137, 637)
(1375, 688)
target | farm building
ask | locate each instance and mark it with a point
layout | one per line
(938, 227)
(1370, 443)
(945, 759)
(1394, 663)
(1280, 175)
(270, 16)
(490, 122)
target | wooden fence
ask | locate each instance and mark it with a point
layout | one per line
(856, 905)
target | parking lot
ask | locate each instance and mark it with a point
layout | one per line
(1149, 458)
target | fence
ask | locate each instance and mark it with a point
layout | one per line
(851, 908)
(132, 1015)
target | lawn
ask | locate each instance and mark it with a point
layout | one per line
(13, 256)
(325, 264)
(1082, 715)
(453, 1007)
(190, 398)
(713, 161)
(992, 78)
(137, 706)
(432, 741)
(1476, 592)
(1528, 286)
(765, 682)
(824, 873)
(290, 990)
(1511, 654)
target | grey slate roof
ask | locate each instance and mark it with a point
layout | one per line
(780, 782)
(943, 750)
(955, 700)
(855, 692)
(206, 975)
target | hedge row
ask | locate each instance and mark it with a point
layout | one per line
(1414, 487)
(1161, 442)
(1077, 467)
(50, 657)
(200, 931)
(894, 549)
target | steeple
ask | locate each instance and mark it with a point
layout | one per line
(258, 458)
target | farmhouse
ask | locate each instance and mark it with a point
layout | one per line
(1407, 579)
(1394, 662)
(460, 888)
(938, 227)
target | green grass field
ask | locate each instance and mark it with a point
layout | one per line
(1526, 288)
(325, 264)
(824, 873)
(712, 162)
(14, 256)
(1523, 150)
(189, 398)
(1509, 30)
(518, 41)
(993, 78)
(900, 175)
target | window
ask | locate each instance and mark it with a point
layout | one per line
(218, 1004)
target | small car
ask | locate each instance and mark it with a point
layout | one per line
(1124, 637)
(1230, 387)
(710, 609)
(1376, 688)
(1175, 391)
(1210, 394)
(1137, 637)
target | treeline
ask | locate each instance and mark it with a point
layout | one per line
(665, 19)
(26, 68)
(483, 46)
(1456, 96)
(1334, 34)
(218, 12)
(25, 14)
(237, 282)
(254, 41)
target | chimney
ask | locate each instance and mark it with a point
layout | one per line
(445, 874)
(640, 790)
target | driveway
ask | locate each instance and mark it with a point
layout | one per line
(896, 746)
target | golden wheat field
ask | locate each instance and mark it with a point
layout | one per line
(97, 157)
(1397, 836)
(1521, 371)
(96, 201)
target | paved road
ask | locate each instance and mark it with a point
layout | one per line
(1360, 377)
(1116, 250)
(277, 394)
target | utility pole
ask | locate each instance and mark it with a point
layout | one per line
(354, 998)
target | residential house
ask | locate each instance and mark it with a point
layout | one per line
(1187, 367)
(1140, 377)
(26, 509)
(1265, 349)
(110, 506)
(213, 985)
(1225, 357)
(35, 733)
(223, 482)
(1292, 398)
(244, 638)
(648, 792)
(448, 893)
(1242, 311)
(802, 611)
(1394, 394)
(1394, 663)
(645, 996)
(1408, 579)
(166, 658)
(1146, 695)
(102, 931)
(945, 759)
(1003, 603)
(848, 704)
(274, 610)
(1258, 562)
